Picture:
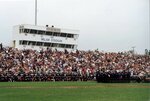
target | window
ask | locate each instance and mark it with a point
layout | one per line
(21, 30)
(61, 45)
(47, 44)
(54, 45)
(68, 46)
(33, 31)
(41, 32)
(70, 35)
(31, 43)
(49, 33)
(39, 43)
(56, 34)
(24, 42)
(63, 34)
(26, 30)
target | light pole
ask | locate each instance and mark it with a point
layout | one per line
(35, 12)
(133, 49)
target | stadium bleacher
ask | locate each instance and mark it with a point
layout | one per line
(53, 65)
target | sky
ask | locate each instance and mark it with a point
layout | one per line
(106, 25)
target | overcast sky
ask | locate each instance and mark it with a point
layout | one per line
(109, 25)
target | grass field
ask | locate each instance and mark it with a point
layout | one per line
(73, 91)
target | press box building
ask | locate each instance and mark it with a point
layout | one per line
(41, 37)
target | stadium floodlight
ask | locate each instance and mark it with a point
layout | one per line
(35, 12)
(133, 49)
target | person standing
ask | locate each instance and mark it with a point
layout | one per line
(1, 46)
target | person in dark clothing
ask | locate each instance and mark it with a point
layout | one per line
(1, 46)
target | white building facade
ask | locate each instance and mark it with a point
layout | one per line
(43, 37)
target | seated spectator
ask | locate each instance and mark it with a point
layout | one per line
(79, 65)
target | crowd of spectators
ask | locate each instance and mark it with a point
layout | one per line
(54, 65)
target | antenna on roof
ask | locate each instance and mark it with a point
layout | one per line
(35, 12)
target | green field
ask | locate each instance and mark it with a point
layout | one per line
(73, 91)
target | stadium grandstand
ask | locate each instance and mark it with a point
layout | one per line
(54, 65)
